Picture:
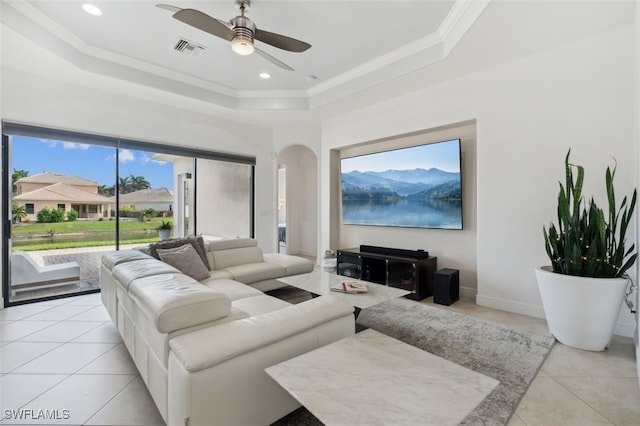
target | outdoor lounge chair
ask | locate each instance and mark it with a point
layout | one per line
(26, 274)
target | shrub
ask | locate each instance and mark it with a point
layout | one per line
(47, 215)
(57, 215)
(126, 211)
(72, 215)
(44, 215)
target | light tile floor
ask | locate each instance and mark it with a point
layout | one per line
(573, 387)
(66, 355)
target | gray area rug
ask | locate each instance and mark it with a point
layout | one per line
(510, 356)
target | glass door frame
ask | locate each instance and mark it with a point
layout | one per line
(10, 129)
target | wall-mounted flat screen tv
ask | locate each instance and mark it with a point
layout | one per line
(417, 187)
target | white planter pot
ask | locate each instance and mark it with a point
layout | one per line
(581, 312)
(164, 234)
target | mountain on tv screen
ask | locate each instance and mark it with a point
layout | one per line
(418, 187)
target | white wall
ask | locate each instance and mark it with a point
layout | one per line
(529, 112)
(301, 203)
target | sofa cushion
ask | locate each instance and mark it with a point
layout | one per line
(231, 243)
(223, 259)
(234, 290)
(220, 275)
(293, 265)
(113, 258)
(252, 333)
(175, 301)
(261, 304)
(186, 259)
(124, 273)
(196, 242)
(254, 272)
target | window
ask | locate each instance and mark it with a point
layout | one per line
(61, 206)
(29, 208)
(93, 208)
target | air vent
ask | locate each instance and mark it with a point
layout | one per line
(189, 48)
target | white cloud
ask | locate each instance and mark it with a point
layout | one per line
(146, 158)
(65, 145)
(74, 145)
(126, 155)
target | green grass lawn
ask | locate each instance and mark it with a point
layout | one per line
(23, 232)
(85, 226)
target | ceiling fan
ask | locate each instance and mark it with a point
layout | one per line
(240, 31)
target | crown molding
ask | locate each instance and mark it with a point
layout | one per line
(33, 24)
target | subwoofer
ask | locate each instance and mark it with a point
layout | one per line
(446, 286)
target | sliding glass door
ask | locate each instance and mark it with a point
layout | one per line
(68, 198)
(61, 221)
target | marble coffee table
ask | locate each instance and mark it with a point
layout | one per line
(372, 379)
(320, 282)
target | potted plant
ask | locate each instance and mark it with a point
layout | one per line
(164, 230)
(584, 287)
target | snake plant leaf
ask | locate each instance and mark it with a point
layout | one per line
(627, 265)
(577, 192)
(563, 209)
(611, 196)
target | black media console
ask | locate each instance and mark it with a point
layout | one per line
(407, 269)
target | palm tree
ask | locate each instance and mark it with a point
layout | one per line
(18, 213)
(105, 190)
(138, 183)
(125, 184)
(17, 175)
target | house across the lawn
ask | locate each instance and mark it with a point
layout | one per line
(160, 199)
(59, 191)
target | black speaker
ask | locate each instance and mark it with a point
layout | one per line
(446, 286)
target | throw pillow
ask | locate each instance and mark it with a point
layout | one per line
(186, 260)
(196, 242)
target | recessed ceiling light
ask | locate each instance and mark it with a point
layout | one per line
(265, 75)
(91, 9)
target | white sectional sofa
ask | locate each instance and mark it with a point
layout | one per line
(202, 346)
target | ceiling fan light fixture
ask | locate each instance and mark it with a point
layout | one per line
(242, 45)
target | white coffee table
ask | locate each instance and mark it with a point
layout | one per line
(373, 379)
(320, 282)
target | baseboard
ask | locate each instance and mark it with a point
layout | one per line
(623, 329)
(468, 292)
(510, 306)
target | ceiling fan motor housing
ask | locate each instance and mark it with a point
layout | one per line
(244, 29)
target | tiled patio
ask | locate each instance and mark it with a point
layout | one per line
(87, 257)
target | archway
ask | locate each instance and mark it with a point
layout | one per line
(298, 200)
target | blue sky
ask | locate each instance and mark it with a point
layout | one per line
(96, 163)
(443, 155)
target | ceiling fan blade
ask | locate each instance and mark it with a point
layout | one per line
(172, 9)
(273, 60)
(204, 22)
(280, 41)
